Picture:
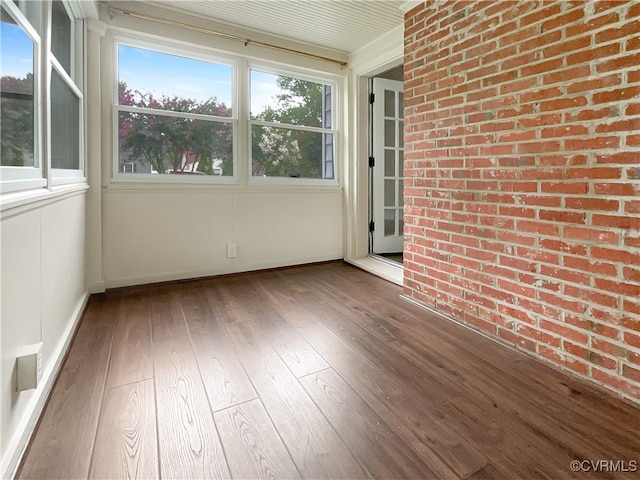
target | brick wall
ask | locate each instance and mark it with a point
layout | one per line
(522, 166)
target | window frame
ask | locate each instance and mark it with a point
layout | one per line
(315, 77)
(23, 178)
(194, 52)
(74, 80)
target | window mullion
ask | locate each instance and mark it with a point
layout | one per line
(175, 113)
(45, 121)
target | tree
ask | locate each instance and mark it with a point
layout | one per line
(172, 144)
(17, 129)
(286, 152)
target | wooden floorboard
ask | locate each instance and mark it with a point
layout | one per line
(254, 448)
(189, 445)
(317, 371)
(126, 442)
(63, 445)
(225, 379)
(132, 352)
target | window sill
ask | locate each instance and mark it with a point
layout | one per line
(116, 186)
(16, 203)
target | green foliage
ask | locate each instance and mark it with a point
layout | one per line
(285, 152)
(171, 143)
(17, 129)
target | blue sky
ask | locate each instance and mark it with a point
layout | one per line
(149, 71)
(17, 51)
(163, 74)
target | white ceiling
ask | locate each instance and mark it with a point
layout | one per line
(340, 25)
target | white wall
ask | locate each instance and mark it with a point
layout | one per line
(155, 235)
(41, 244)
(156, 232)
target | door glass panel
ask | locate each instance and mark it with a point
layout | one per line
(401, 131)
(389, 133)
(401, 106)
(400, 193)
(389, 221)
(389, 103)
(389, 193)
(389, 163)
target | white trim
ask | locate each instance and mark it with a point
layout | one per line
(233, 268)
(380, 268)
(374, 58)
(410, 5)
(20, 202)
(87, 9)
(17, 445)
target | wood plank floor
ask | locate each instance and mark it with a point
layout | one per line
(317, 371)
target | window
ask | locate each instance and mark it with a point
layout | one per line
(24, 91)
(174, 115)
(19, 97)
(66, 96)
(292, 131)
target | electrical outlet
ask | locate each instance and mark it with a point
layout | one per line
(29, 367)
(232, 250)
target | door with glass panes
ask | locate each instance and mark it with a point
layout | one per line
(386, 186)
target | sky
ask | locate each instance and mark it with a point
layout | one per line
(149, 71)
(16, 54)
(164, 74)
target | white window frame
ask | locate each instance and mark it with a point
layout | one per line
(22, 178)
(73, 79)
(275, 69)
(168, 47)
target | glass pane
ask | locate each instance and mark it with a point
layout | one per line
(286, 152)
(401, 106)
(401, 133)
(400, 193)
(389, 163)
(389, 221)
(389, 133)
(169, 82)
(163, 144)
(401, 222)
(65, 124)
(61, 35)
(17, 95)
(389, 193)
(280, 99)
(33, 11)
(389, 103)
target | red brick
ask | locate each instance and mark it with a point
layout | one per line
(619, 157)
(595, 143)
(624, 93)
(521, 169)
(592, 204)
(591, 235)
(629, 189)
(562, 216)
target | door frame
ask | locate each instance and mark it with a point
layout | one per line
(382, 55)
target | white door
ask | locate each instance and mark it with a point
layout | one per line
(388, 146)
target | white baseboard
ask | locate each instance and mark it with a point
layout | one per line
(20, 439)
(234, 268)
